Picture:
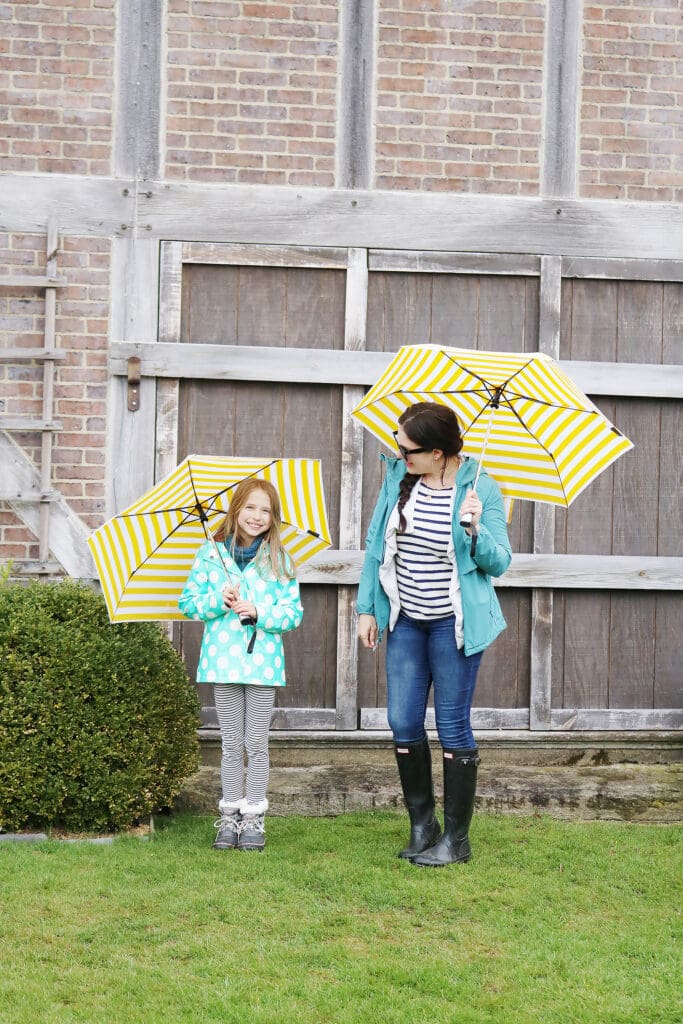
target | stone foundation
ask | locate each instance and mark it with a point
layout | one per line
(633, 777)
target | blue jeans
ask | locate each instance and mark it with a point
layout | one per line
(419, 653)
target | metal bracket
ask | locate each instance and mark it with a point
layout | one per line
(133, 383)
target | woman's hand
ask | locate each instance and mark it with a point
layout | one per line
(473, 506)
(367, 631)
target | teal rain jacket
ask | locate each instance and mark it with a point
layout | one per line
(476, 563)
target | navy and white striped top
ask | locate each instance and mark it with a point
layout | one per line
(423, 569)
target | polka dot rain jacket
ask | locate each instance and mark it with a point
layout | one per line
(224, 657)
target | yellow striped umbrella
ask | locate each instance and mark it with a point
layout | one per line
(541, 437)
(144, 554)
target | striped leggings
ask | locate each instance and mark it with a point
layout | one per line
(244, 714)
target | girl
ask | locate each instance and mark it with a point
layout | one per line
(428, 578)
(243, 587)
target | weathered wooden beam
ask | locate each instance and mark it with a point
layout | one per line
(130, 449)
(541, 649)
(10, 355)
(613, 719)
(351, 491)
(137, 139)
(562, 91)
(67, 532)
(271, 215)
(202, 361)
(622, 269)
(31, 281)
(482, 718)
(408, 261)
(356, 94)
(232, 254)
(558, 572)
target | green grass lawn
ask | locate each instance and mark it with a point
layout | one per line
(550, 922)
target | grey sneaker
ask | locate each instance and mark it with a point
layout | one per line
(252, 833)
(228, 826)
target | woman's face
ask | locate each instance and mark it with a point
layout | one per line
(416, 459)
(255, 516)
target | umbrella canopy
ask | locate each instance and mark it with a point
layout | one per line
(541, 438)
(144, 554)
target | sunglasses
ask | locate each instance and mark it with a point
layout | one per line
(406, 452)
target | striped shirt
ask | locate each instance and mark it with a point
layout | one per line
(423, 570)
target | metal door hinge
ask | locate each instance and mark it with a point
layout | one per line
(133, 384)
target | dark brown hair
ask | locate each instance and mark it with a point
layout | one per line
(428, 425)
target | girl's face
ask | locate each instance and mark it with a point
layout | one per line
(417, 460)
(255, 516)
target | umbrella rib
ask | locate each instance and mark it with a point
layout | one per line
(170, 533)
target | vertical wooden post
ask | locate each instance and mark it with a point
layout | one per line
(48, 395)
(356, 93)
(544, 516)
(562, 95)
(351, 491)
(168, 389)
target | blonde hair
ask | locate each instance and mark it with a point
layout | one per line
(271, 556)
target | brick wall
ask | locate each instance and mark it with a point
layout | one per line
(56, 85)
(459, 96)
(632, 101)
(81, 378)
(252, 91)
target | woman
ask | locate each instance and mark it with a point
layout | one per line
(428, 579)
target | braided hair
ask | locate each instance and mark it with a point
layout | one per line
(428, 425)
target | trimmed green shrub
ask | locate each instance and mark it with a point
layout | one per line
(97, 721)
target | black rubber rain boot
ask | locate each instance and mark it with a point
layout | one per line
(460, 784)
(414, 762)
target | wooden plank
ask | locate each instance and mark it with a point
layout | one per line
(445, 221)
(249, 361)
(52, 244)
(357, 47)
(482, 718)
(231, 254)
(622, 269)
(541, 655)
(283, 718)
(410, 261)
(8, 355)
(30, 496)
(130, 453)
(559, 572)
(616, 719)
(582, 619)
(137, 137)
(351, 488)
(31, 281)
(67, 532)
(34, 567)
(168, 390)
(636, 486)
(341, 217)
(561, 97)
(28, 423)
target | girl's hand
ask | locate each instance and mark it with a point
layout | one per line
(472, 505)
(367, 631)
(242, 607)
(231, 594)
